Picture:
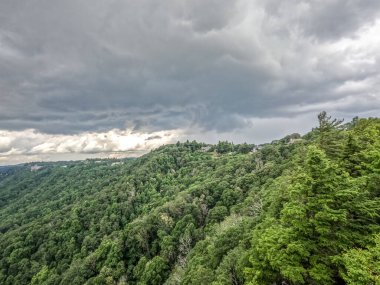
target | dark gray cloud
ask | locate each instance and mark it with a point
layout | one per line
(68, 67)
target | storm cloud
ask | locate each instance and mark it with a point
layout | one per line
(197, 67)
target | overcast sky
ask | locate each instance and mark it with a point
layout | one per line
(96, 78)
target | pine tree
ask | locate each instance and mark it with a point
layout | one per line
(329, 131)
(324, 213)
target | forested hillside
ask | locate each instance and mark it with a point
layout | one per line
(300, 210)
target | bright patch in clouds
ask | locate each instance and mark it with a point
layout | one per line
(30, 144)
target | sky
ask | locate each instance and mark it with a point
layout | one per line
(119, 77)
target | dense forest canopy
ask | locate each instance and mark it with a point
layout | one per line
(300, 210)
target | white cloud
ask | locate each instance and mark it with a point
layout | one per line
(112, 143)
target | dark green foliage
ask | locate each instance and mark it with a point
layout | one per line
(300, 210)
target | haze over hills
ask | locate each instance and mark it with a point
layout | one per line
(300, 210)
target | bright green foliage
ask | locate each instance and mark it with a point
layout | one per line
(41, 277)
(155, 272)
(325, 213)
(300, 210)
(362, 266)
(317, 212)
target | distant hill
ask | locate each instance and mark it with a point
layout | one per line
(299, 210)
